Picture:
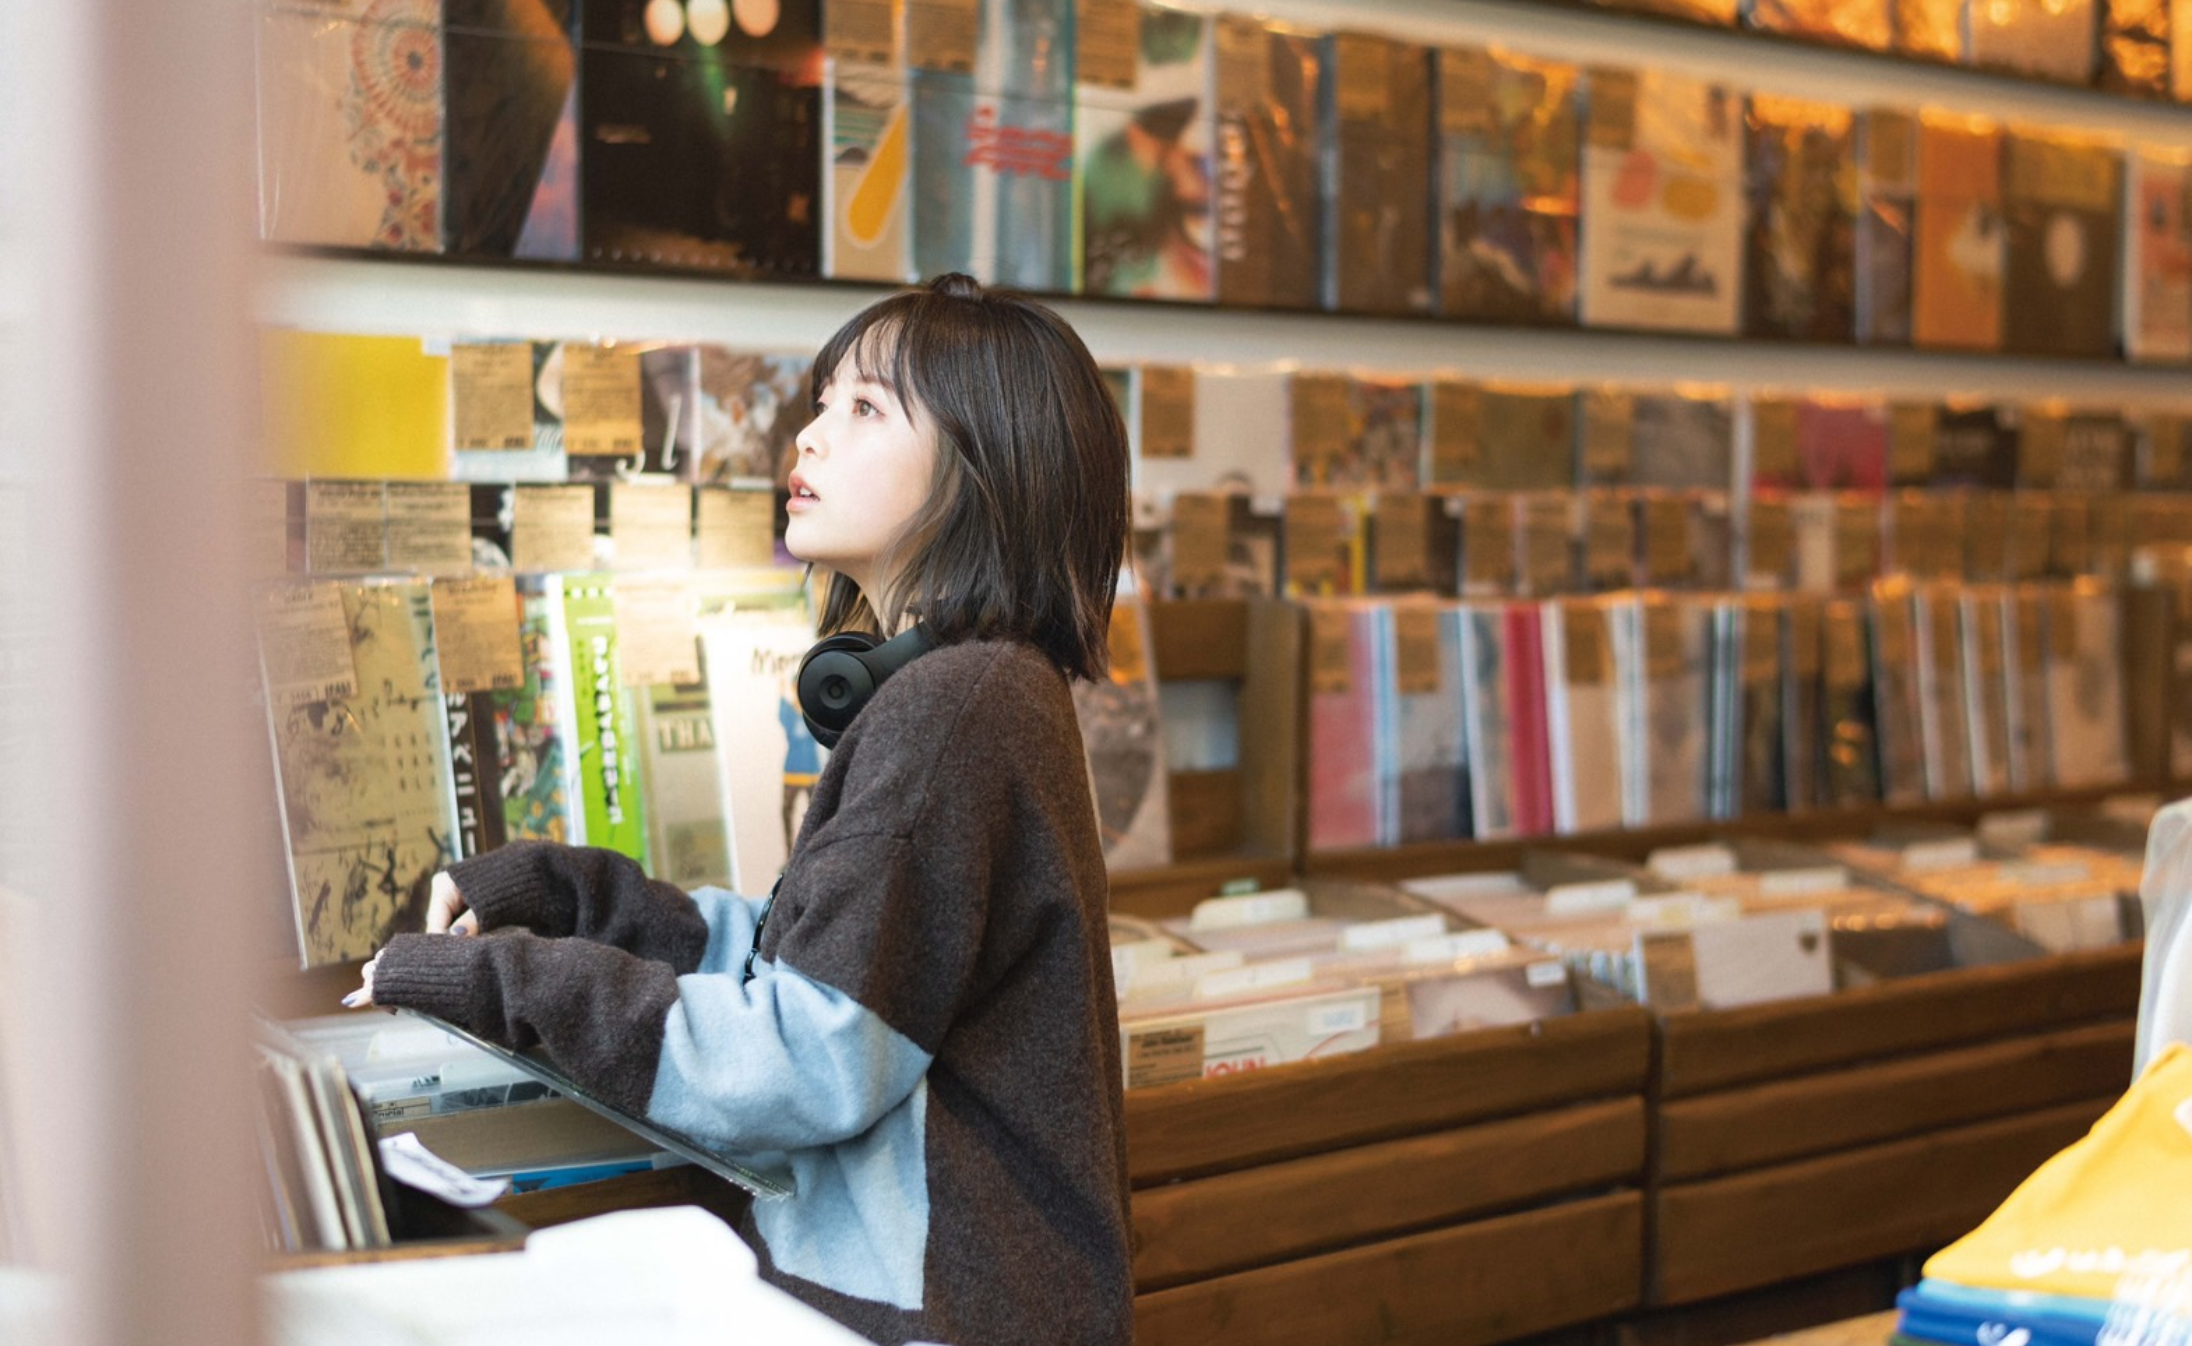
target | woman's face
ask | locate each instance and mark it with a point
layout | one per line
(864, 469)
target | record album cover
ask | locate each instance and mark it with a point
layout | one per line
(1944, 708)
(1583, 715)
(604, 736)
(749, 408)
(1508, 162)
(1898, 709)
(686, 836)
(768, 760)
(1662, 203)
(2157, 270)
(2024, 662)
(2048, 39)
(1425, 748)
(1869, 24)
(1930, 29)
(1269, 215)
(993, 145)
(1143, 162)
(867, 181)
(1959, 257)
(1528, 737)
(2085, 689)
(352, 124)
(1683, 440)
(1675, 644)
(1124, 739)
(2134, 47)
(1377, 145)
(511, 76)
(1887, 204)
(1987, 689)
(1345, 675)
(533, 730)
(1800, 278)
(368, 798)
(2065, 213)
(1851, 757)
(1488, 720)
(703, 136)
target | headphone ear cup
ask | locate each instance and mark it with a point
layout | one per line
(834, 683)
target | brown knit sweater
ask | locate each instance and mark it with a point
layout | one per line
(948, 884)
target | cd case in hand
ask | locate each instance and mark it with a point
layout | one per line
(740, 1171)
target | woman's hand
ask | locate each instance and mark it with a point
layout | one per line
(446, 913)
(363, 996)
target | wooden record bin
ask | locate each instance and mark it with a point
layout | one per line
(1461, 1190)
(1801, 1136)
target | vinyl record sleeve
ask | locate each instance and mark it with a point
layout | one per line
(1800, 276)
(510, 70)
(1377, 144)
(352, 123)
(993, 192)
(1266, 164)
(368, 799)
(701, 156)
(2065, 214)
(1662, 203)
(1509, 132)
(1887, 190)
(2157, 270)
(1959, 267)
(1143, 166)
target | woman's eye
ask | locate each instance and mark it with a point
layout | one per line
(863, 407)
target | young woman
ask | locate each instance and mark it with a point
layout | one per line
(924, 1021)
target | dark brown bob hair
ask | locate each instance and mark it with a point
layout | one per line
(1026, 522)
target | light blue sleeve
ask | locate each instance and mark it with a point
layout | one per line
(782, 1062)
(732, 921)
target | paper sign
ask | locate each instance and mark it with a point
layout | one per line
(652, 525)
(859, 30)
(304, 644)
(1403, 542)
(552, 528)
(1200, 524)
(1168, 409)
(941, 35)
(430, 527)
(1107, 42)
(1331, 652)
(491, 390)
(657, 632)
(476, 634)
(1368, 936)
(345, 527)
(1164, 1056)
(1415, 650)
(737, 529)
(601, 401)
(409, 1162)
(1315, 529)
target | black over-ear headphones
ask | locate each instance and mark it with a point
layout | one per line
(839, 675)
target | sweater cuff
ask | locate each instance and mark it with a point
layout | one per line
(443, 975)
(508, 887)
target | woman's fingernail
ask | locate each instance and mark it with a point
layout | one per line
(353, 999)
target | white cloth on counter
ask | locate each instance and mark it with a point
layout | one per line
(675, 1276)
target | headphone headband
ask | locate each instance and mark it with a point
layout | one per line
(841, 674)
